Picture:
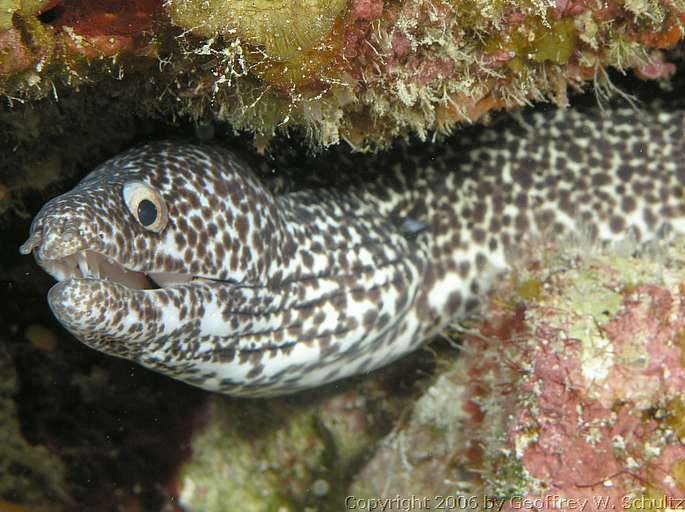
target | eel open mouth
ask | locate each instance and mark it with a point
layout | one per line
(89, 264)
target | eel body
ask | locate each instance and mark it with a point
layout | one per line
(177, 256)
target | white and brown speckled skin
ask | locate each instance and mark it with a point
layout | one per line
(307, 287)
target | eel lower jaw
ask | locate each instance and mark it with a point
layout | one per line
(90, 264)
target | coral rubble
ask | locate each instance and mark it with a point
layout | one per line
(366, 71)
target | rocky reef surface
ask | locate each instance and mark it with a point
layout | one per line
(363, 71)
(577, 380)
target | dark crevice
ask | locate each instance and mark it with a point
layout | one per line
(51, 16)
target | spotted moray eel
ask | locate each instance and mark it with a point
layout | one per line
(177, 256)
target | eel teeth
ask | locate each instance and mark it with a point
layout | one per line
(93, 264)
(83, 266)
(90, 264)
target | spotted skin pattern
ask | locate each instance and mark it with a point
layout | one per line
(297, 289)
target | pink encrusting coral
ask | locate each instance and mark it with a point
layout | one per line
(366, 10)
(578, 381)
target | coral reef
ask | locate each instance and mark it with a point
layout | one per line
(283, 29)
(571, 389)
(365, 71)
(577, 381)
(80, 80)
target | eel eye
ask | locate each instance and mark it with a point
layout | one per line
(146, 205)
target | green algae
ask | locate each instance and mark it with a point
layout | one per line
(283, 28)
(588, 294)
(530, 290)
(556, 44)
(537, 41)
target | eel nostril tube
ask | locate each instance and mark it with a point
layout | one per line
(30, 244)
